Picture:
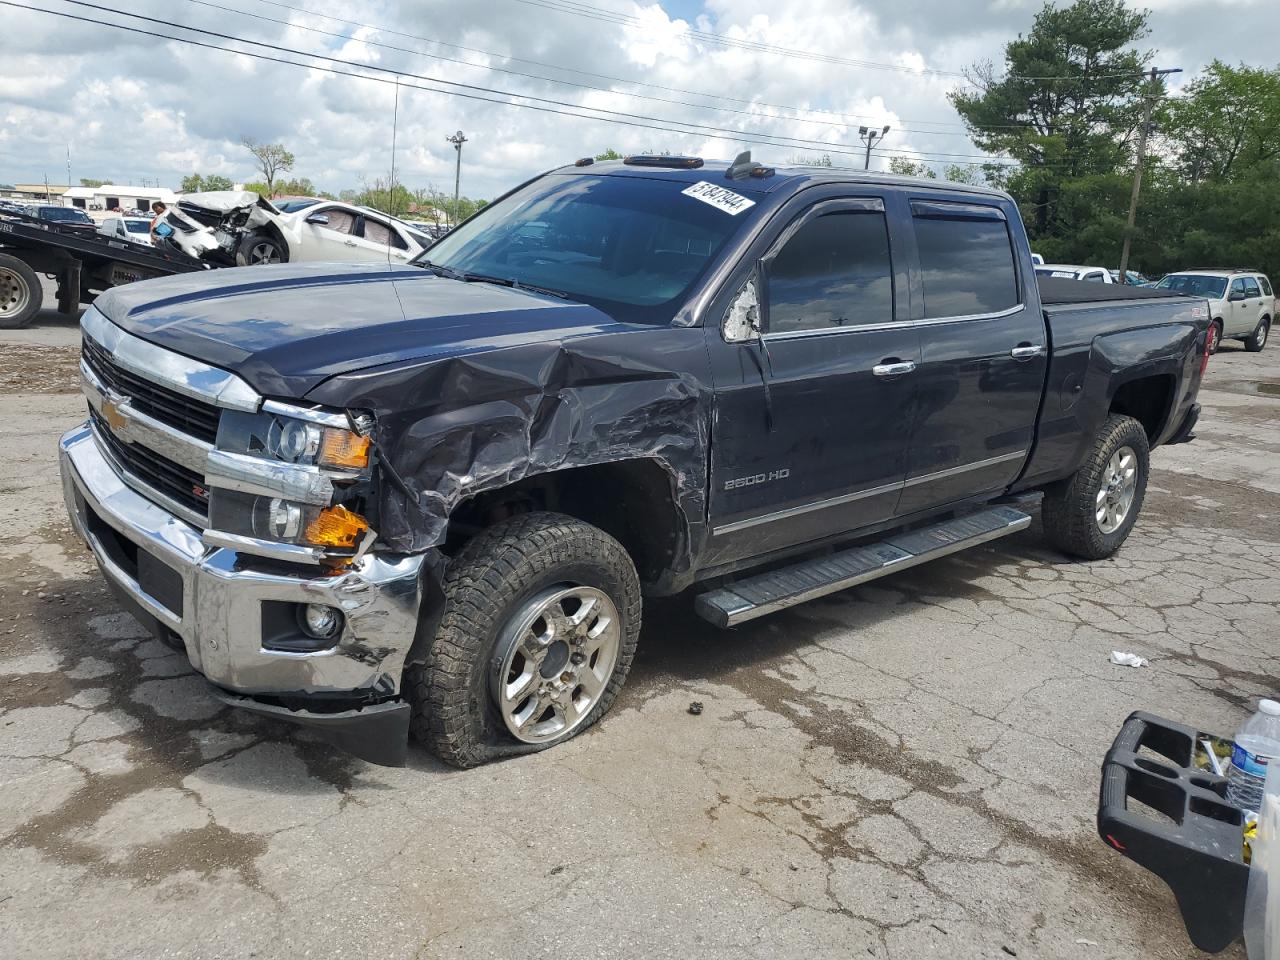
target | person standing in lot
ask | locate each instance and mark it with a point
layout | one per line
(158, 209)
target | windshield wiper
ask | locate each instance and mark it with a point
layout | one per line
(513, 283)
(443, 271)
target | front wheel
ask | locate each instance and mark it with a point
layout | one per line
(260, 248)
(1215, 336)
(1258, 339)
(1092, 512)
(540, 622)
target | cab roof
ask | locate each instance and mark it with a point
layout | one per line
(792, 177)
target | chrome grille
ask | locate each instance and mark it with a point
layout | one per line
(171, 480)
(193, 417)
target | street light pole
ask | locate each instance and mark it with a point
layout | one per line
(457, 140)
(870, 138)
(1149, 101)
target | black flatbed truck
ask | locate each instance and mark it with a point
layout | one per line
(84, 264)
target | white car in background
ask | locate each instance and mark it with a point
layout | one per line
(236, 227)
(1241, 303)
(130, 229)
(1072, 271)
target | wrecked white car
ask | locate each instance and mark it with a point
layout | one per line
(240, 228)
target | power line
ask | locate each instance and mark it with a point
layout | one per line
(534, 76)
(846, 119)
(574, 7)
(736, 134)
(638, 122)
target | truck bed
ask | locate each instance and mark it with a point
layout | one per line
(1061, 290)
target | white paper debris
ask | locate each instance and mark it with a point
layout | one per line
(1081, 941)
(1128, 659)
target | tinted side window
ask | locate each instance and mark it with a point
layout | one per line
(1266, 286)
(966, 265)
(1237, 286)
(1251, 288)
(833, 272)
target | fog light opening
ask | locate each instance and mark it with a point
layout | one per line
(320, 621)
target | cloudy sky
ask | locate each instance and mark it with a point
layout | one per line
(133, 106)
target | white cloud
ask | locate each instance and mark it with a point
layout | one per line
(133, 107)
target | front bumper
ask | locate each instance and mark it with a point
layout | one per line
(224, 607)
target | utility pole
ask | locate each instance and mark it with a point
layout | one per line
(68, 166)
(870, 138)
(1148, 104)
(457, 140)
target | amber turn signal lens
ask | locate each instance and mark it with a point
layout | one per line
(342, 448)
(336, 527)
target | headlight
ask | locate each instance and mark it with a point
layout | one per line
(273, 436)
(285, 521)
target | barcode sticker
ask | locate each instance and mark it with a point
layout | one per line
(720, 198)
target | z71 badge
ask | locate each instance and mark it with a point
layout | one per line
(757, 479)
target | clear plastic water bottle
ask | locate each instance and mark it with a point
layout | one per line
(1257, 743)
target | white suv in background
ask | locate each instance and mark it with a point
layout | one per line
(1241, 303)
(1074, 271)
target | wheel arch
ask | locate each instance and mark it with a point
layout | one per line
(1149, 400)
(632, 500)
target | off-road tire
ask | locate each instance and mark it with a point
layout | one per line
(454, 714)
(1215, 337)
(1258, 339)
(1069, 507)
(32, 300)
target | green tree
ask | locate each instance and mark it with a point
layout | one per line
(963, 173)
(90, 182)
(197, 183)
(273, 159)
(1065, 106)
(609, 154)
(1227, 122)
(910, 168)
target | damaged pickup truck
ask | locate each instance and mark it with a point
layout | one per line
(239, 228)
(429, 498)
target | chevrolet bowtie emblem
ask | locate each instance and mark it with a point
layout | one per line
(111, 413)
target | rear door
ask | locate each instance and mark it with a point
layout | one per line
(1256, 300)
(378, 240)
(984, 355)
(811, 423)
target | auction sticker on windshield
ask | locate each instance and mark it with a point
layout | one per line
(720, 198)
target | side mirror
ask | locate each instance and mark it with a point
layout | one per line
(320, 219)
(742, 323)
(1236, 295)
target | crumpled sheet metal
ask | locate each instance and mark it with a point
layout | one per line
(465, 424)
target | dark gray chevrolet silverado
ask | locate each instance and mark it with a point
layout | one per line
(429, 498)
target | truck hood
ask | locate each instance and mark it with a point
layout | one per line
(285, 329)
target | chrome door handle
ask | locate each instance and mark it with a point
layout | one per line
(893, 369)
(1027, 352)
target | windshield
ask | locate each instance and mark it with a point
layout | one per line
(1212, 288)
(292, 206)
(138, 226)
(64, 213)
(631, 246)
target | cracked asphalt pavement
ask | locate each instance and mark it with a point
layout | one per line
(906, 769)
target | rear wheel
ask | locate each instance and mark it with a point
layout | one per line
(1258, 339)
(540, 622)
(21, 295)
(1091, 513)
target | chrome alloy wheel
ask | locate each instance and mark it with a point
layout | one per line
(552, 665)
(14, 295)
(1119, 484)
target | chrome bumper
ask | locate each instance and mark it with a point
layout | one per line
(219, 614)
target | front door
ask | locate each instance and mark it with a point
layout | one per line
(327, 233)
(984, 356)
(811, 420)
